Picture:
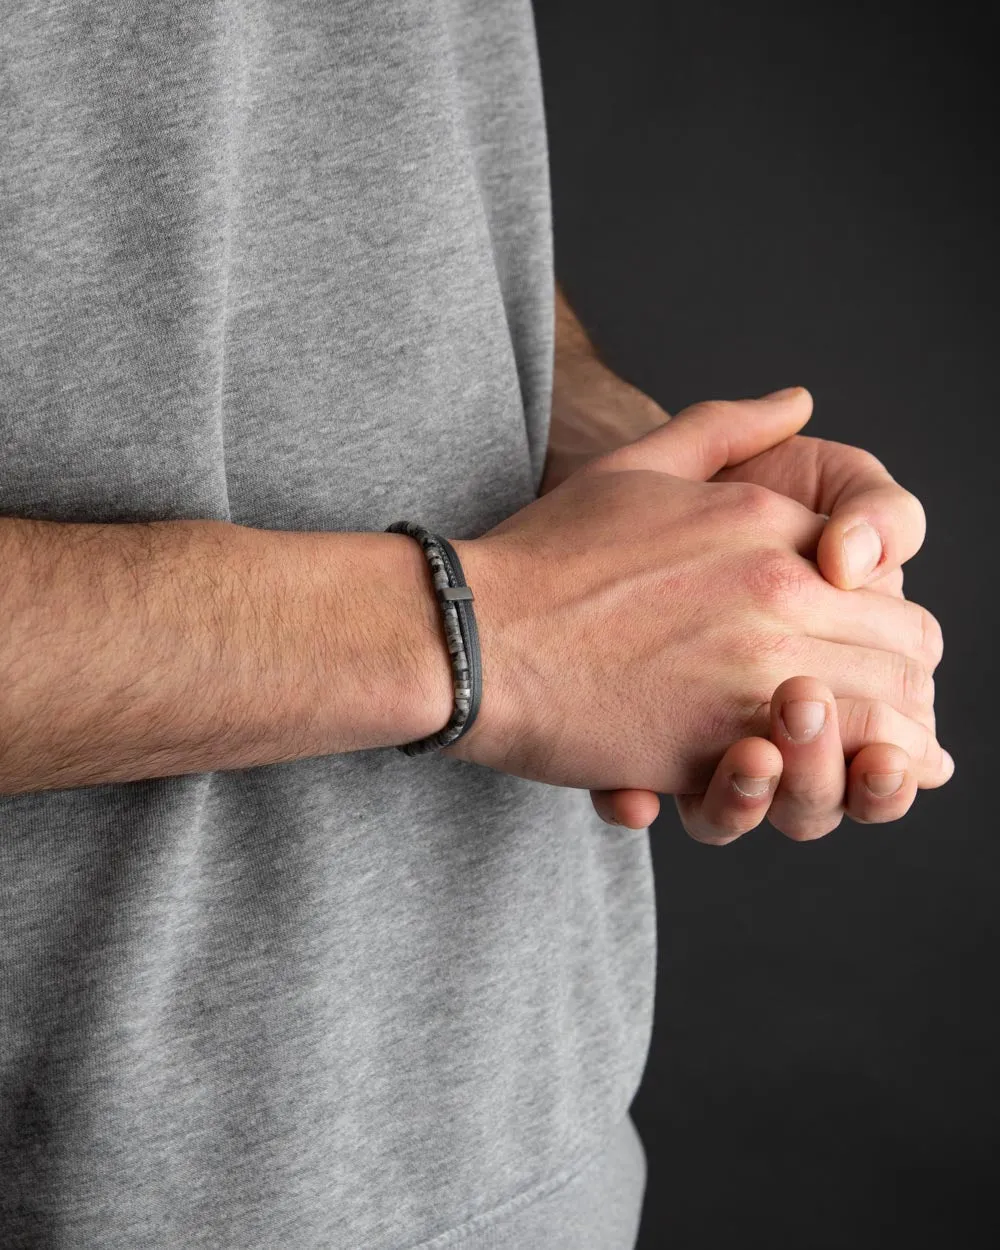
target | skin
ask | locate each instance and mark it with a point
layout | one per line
(803, 788)
(638, 618)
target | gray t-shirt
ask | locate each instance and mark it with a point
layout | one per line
(288, 264)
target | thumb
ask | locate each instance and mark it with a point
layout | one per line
(707, 437)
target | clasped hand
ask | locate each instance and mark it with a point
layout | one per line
(811, 757)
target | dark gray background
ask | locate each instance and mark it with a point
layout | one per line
(751, 197)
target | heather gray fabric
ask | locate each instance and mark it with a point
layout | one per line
(289, 264)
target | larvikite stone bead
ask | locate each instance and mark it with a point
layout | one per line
(453, 636)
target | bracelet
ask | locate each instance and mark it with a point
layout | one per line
(455, 599)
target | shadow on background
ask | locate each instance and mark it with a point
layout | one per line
(752, 197)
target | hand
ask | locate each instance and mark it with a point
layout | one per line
(853, 488)
(846, 484)
(798, 785)
(717, 582)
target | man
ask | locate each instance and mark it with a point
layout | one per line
(277, 275)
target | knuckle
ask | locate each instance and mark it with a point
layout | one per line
(752, 501)
(776, 579)
(812, 791)
(915, 682)
(707, 408)
(861, 463)
(867, 721)
(931, 637)
(902, 682)
(866, 461)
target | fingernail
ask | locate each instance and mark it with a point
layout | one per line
(884, 784)
(785, 393)
(862, 550)
(750, 787)
(803, 719)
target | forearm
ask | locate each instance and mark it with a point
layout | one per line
(593, 409)
(134, 651)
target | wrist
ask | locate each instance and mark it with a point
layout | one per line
(497, 726)
(425, 673)
(594, 412)
(592, 400)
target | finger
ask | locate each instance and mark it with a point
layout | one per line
(738, 794)
(865, 723)
(635, 809)
(875, 525)
(809, 800)
(870, 673)
(880, 785)
(704, 438)
(869, 618)
(852, 488)
(890, 583)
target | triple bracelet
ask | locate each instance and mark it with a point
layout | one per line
(455, 600)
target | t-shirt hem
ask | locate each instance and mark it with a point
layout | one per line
(594, 1203)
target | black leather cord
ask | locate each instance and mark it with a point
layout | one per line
(455, 599)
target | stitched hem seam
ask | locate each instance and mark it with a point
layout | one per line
(511, 1206)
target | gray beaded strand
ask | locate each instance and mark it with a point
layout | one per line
(453, 634)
